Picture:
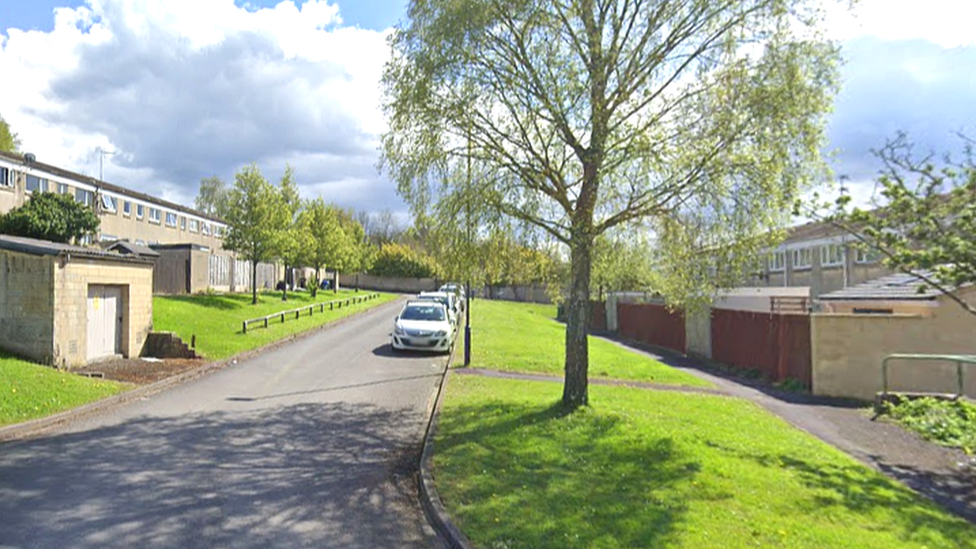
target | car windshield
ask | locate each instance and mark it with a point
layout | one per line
(437, 298)
(423, 312)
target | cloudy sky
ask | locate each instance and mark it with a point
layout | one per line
(185, 89)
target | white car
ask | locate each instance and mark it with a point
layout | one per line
(423, 326)
(448, 299)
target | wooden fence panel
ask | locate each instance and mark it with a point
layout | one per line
(171, 275)
(652, 324)
(598, 317)
(777, 345)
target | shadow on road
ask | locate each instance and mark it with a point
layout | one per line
(322, 475)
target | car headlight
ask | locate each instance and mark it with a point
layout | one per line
(441, 333)
(397, 329)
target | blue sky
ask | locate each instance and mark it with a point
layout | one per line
(186, 89)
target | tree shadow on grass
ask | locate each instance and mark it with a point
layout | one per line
(306, 475)
(862, 491)
(536, 476)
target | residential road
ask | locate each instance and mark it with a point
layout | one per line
(312, 444)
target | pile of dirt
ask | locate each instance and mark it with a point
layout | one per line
(139, 371)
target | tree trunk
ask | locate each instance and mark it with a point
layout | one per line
(575, 392)
(315, 287)
(254, 282)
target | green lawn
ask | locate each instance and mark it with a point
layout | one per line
(502, 332)
(659, 469)
(216, 319)
(29, 391)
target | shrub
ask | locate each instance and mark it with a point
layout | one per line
(947, 422)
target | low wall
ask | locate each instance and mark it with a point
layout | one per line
(388, 283)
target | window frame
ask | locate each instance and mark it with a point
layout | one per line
(42, 184)
(5, 177)
(154, 215)
(89, 197)
(140, 211)
(194, 226)
(174, 217)
(797, 257)
(109, 203)
(127, 208)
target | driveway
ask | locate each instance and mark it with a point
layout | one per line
(313, 444)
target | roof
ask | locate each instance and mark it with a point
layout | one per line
(54, 170)
(812, 231)
(129, 248)
(896, 287)
(34, 246)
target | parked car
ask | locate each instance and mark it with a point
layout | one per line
(423, 325)
(456, 289)
(448, 299)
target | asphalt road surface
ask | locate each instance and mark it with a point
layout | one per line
(313, 444)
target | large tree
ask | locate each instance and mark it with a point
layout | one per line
(213, 197)
(292, 239)
(9, 142)
(332, 237)
(704, 118)
(257, 217)
(51, 216)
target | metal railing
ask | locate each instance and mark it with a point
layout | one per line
(960, 361)
(297, 313)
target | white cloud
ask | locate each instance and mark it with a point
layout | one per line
(947, 23)
(184, 89)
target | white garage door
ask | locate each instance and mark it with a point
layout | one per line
(104, 321)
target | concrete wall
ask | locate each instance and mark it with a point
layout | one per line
(847, 350)
(71, 294)
(27, 305)
(698, 333)
(757, 300)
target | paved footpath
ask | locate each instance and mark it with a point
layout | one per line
(944, 475)
(312, 444)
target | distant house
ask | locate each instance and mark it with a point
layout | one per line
(69, 305)
(821, 256)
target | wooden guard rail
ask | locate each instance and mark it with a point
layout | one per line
(334, 304)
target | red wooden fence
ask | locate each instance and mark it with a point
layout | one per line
(652, 324)
(598, 317)
(778, 345)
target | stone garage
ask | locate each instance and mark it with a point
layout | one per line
(68, 305)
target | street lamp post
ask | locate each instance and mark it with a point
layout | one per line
(101, 156)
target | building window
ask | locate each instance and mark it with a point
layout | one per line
(182, 223)
(205, 228)
(5, 180)
(85, 197)
(831, 255)
(62, 188)
(170, 219)
(126, 207)
(869, 255)
(35, 183)
(193, 225)
(109, 203)
(777, 261)
(218, 231)
(154, 215)
(802, 258)
(140, 211)
(108, 238)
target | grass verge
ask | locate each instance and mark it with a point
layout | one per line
(216, 319)
(659, 469)
(525, 337)
(29, 391)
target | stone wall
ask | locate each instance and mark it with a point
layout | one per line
(27, 305)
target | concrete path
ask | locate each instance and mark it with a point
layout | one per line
(313, 444)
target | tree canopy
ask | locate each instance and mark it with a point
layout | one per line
(702, 118)
(51, 216)
(213, 197)
(9, 142)
(927, 224)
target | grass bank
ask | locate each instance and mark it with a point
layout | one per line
(525, 337)
(216, 319)
(29, 391)
(659, 469)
